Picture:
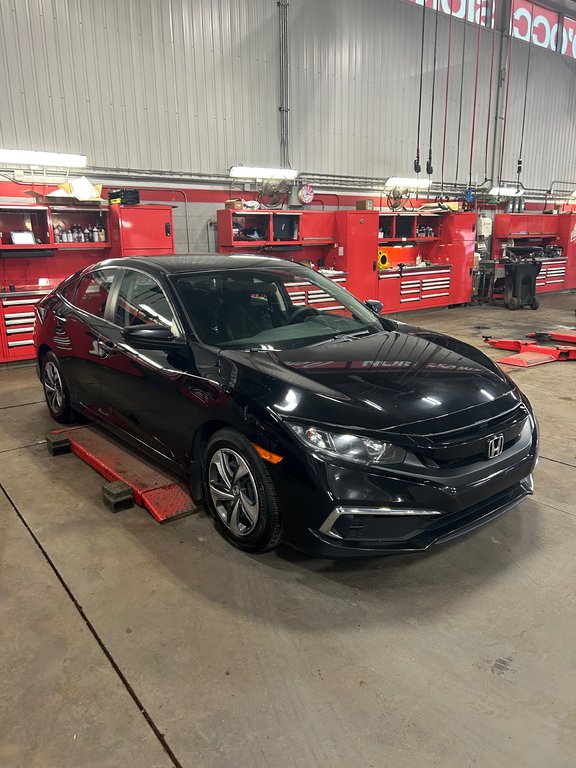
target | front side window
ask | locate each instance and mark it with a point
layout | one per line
(141, 301)
(270, 308)
(93, 290)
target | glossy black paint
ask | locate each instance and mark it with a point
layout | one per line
(438, 397)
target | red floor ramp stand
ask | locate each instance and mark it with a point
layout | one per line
(162, 494)
(530, 353)
(565, 335)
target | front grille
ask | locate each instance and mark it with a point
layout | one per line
(467, 446)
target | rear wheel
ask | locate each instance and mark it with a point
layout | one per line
(514, 303)
(240, 493)
(535, 304)
(56, 390)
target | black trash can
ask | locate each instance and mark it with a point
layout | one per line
(520, 284)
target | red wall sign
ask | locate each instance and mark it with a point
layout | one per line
(533, 23)
(475, 11)
(569, 38)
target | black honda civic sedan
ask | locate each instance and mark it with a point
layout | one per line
(296, 412)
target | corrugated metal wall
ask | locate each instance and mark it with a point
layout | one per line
(371, 126)
(175, 85)
(192, 86)
(550, 135)
(356, 68)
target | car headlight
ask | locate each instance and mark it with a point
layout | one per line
(362, 450)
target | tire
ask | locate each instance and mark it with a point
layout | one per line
(240, 493)
(56, 390)
(535, 304)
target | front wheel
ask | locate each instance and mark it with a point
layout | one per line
(240, 493)
(56, 390)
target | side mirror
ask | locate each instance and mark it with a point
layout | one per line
(375, 305)
(149, 336)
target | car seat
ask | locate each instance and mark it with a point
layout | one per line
(203, 307)
(241, 316)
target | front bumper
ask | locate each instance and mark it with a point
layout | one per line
(349, 531)
(346, 511)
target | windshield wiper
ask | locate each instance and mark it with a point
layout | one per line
(263, 348)
(343, 337)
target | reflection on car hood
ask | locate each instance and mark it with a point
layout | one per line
(384, 381)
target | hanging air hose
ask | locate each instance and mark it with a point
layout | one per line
(505, 121)
(429, 169)
(519, 165)
(489, 103)
(460, 107)
(417, 166)
(475, 102)
(446, 97)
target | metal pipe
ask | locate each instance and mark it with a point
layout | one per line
(284, 94)
(370, 185)
(130, 173)
(208, 225)
(496, 141)
(571, 184)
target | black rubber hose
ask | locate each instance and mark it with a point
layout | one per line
(519, 167)
(460, 107)
(417, 166)
(429, 168)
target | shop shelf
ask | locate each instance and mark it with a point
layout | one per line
(78, 246)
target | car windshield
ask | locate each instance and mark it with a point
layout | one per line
(271, 308)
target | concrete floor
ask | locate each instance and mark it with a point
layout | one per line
(125, 643)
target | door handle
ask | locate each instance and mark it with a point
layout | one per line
(106, 348)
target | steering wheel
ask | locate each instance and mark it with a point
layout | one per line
(300, 313)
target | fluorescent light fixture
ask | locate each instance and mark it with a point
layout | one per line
(506, 191)
(409, 183)
(30, 157)
(247, 172)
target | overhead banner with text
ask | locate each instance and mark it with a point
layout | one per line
(475, 11)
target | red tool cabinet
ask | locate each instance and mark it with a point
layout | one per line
(348, 245)
(138, 230)
(536, 230)
(30, 270)
(442, 276)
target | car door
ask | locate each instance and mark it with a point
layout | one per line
(78, 323)
(143, 386)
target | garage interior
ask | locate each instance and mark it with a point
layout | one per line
(434, 146)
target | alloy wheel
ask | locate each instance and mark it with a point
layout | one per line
(233, 491)
(53, 387)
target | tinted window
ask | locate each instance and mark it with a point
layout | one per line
(93, 291)
(69, 290)
(141, 301)
(284, 309)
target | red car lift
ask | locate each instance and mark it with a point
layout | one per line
(530, 352)
(131, 479)
(568, 336)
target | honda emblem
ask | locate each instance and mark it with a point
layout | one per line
(495, 446)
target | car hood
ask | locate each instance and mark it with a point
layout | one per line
(383, 381)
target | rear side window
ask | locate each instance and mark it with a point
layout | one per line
(93, 290)
(69, 290)
(141, 301)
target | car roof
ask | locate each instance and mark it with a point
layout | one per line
(199, 262)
